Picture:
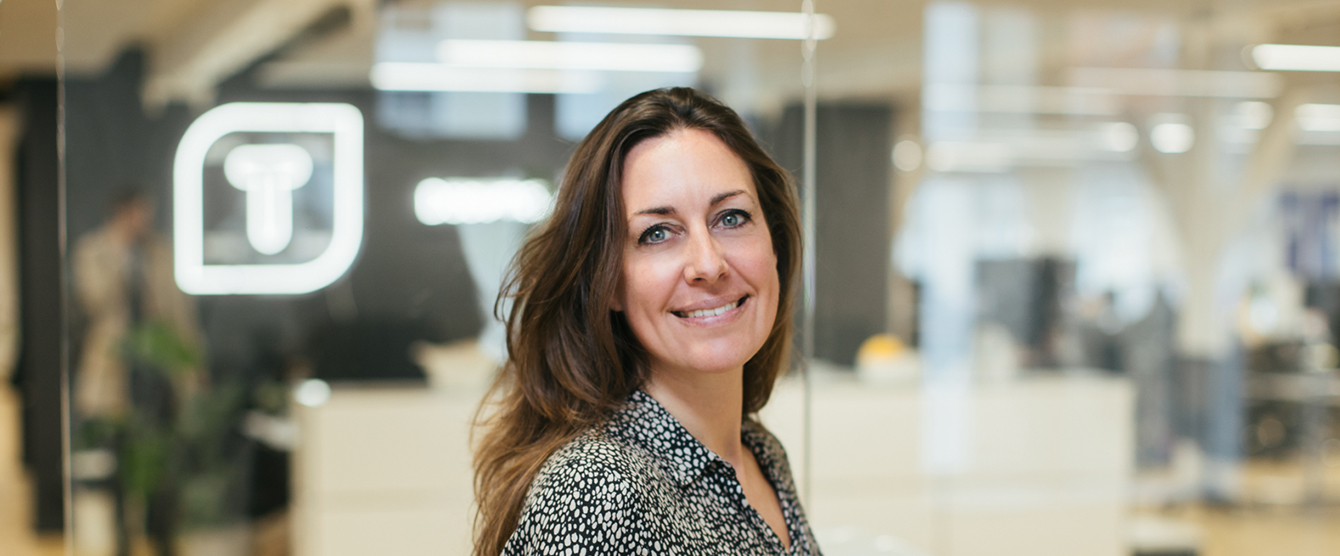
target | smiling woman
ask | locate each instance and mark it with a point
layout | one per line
(698, 253)
(644, 336)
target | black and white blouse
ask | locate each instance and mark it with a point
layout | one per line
(643, 485)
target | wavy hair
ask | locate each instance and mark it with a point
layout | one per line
(572, 360)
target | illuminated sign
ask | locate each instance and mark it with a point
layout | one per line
(268, 174)
(478, 201)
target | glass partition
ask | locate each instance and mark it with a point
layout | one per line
(1073, 264)
(1072, 282)
(287, 226)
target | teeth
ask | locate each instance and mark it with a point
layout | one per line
(713, 312)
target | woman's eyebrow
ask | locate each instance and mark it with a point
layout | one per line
(663, 211)
(666, 211)
(723, 196)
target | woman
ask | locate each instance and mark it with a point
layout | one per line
(651, 318)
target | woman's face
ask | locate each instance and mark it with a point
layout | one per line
(699, 285)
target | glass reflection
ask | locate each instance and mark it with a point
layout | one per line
(1075, 272)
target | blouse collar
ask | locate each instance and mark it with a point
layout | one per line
(645, 422)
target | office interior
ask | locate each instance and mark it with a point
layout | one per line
(1075, 264)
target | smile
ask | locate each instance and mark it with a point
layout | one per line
(712, 312)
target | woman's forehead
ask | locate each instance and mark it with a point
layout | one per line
(690, 166)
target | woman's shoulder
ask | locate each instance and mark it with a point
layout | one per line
(587, 494)
(593, 458)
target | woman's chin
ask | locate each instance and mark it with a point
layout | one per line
(709, 362)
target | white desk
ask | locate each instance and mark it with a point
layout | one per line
(387, 470)
(1047, 464)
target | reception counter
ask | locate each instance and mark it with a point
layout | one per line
(1036, 466)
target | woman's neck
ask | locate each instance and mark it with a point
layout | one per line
(708, 405)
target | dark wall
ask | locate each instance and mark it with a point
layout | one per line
(112, 145)
(853, 143)
(38, 374)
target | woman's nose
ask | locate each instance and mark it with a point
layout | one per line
(707, 259)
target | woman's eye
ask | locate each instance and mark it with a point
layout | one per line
(734, 219)
(655, 234)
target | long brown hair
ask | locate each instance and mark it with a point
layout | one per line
(572, 360)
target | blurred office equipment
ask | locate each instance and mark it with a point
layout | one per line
(1029, 298)
(852, 220)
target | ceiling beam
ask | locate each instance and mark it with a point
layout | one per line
(223, 39)
(27, 37)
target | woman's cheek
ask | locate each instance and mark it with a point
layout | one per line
(755, 253)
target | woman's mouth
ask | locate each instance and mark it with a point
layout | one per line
(713, 311)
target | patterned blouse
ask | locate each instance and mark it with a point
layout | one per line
(643, 485)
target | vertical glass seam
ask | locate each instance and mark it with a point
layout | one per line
(807, 75)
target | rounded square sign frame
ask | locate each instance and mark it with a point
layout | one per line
(195, 277)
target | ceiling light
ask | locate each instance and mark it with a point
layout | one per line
(680, 58)
(968, 156)
(998, 150)
(1172, 137)
(1296, 57)
(907, 155)
(1178, 83)
(1019, 99)
(1318, 117)
(413, 76)
(699, 23)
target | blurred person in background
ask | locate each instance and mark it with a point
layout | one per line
(651, 318)
(123, 279)
(138, 360)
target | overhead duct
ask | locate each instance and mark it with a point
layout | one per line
(226, 38)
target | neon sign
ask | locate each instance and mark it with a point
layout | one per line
(478, 201)
(268, 173)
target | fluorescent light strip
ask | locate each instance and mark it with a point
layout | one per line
(195, 277)
(1178, 83)
(473, 201)
(696, 23)
(999, 150)
(1318, 117)
(412, 76)
(1296, 57)
(1019, 99)
(679, 58)
(1172, 137)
